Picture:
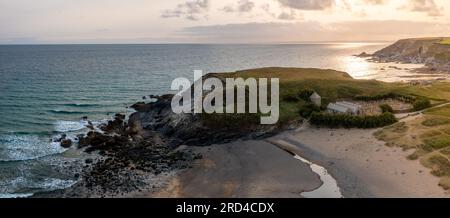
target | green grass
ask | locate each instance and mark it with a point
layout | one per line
(431, 133)
(330, 84)
(439, 111)
(438, 142)
(445, 42)
(439, 164)
(436, 121)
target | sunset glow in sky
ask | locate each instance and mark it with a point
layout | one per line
(219, 21)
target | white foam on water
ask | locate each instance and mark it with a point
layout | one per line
(70, 126)
(27, 147)
(24, 195)
(46, 184)
(329, 188)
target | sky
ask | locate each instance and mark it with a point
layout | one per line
(219, 21)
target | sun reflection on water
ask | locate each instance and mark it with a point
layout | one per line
(358, 68)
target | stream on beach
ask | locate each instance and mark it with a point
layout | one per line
(46, 90)
(329, 188)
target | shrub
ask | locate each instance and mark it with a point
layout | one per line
(438, 142)
(421, 103)
(386, 108)
(305, 94)
(295, 96)
(440, 165)
(349, 121)
(291, 97)
(307, 109)
(389, 95)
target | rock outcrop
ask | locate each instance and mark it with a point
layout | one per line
(429, 51)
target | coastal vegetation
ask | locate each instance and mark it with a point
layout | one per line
(350, 121)
(297, 85)
(445, 42)
(385, 108)
(429, 136)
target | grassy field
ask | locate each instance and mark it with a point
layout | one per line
(429, 136)
(331, 85)
(445, 42)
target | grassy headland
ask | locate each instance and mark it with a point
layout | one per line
(331, 85)
(445, 42)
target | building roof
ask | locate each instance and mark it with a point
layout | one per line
(349, 105)
(315, 96)
(338, 108)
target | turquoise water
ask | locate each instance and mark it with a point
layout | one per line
(47, 89)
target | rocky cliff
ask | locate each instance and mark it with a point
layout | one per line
(429, 51)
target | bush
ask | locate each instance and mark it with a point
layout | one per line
(295, 96)
(385, 108)
(291, 97)
(389, 95)
(421, 103)
(305, 94)
(349, 121)
(438, 142)
(307, 109)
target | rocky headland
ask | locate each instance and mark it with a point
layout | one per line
(140, 152)
(432, 52)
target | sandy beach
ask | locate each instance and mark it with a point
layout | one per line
(242, 169)
(362, 166)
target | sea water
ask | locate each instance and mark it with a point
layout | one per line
(46, 90)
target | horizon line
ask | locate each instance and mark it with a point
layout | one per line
(215, 43)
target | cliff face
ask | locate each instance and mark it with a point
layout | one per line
(194, 129)
(428, 51)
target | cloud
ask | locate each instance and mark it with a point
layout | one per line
(350, 31)
(242, 7)
(291, 15)
(308, 4)
(190, 10)
(427, 6)
(376, 2)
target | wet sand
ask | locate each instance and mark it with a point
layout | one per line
(362, 165)
(243, 169)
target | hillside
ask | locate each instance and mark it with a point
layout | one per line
(331, 85)
(433, 52)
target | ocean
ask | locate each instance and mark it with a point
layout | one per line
(46, 90)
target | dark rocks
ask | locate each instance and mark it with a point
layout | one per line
(190, 129)
(148, 142)
(115, 126)
(61, 138)
(66, 143)
(428, 51)
(90, 125)
(364, 55)
(198, 157)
